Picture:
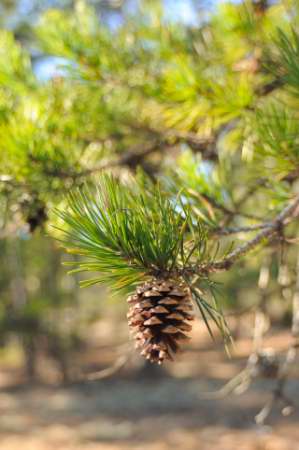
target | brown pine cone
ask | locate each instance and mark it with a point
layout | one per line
(158, 317)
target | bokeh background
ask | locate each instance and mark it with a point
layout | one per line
(69, 376)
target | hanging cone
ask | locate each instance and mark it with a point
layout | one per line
(158, 317)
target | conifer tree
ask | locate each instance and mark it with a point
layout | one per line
(170, 152)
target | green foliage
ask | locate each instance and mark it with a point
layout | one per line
(288, 51)
(209, 111)
(277, 139)
(125, 87)
(126, 233)
(202, 185)
(15, 65)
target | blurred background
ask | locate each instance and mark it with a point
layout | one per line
(69, 376)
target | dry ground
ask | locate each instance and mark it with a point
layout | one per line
(130, 411)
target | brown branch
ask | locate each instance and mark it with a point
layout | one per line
(109, 371)
(131, 159)
(266, 89)
(226, 210)
(235, 230)
(159, 140)
(205, 145)
(248, 194)
(272, 228)
(278, 393)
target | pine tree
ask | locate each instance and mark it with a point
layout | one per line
(196, 130)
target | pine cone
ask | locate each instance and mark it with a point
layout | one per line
(158, 317)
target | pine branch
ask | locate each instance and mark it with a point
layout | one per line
(124, 232)
(268, 232)
(235, 230)
(226, 210)
(131, 159)
(268, 88)
(278, 393)
(204, 145)
(136, 155)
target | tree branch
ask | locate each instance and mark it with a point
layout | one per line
(131, 158)
(272, 228)
(279, 390)
(242, 229)
(226, 210)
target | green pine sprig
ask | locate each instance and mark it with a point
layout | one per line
(123, 232)
(287, 68)
(126, 233)
(276, 143)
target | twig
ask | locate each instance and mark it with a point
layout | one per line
(201, 144)
(243, 229)
(105, 373)
(270, 87)
(248, 194)
(131, 158)
(135, 155)
(240, 311)
(254, 367)
(119, 363)
(242, 379)
(277, 395)
(279, 390)
(273, 227)
(226, 210)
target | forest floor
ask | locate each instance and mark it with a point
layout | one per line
(136, 412)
